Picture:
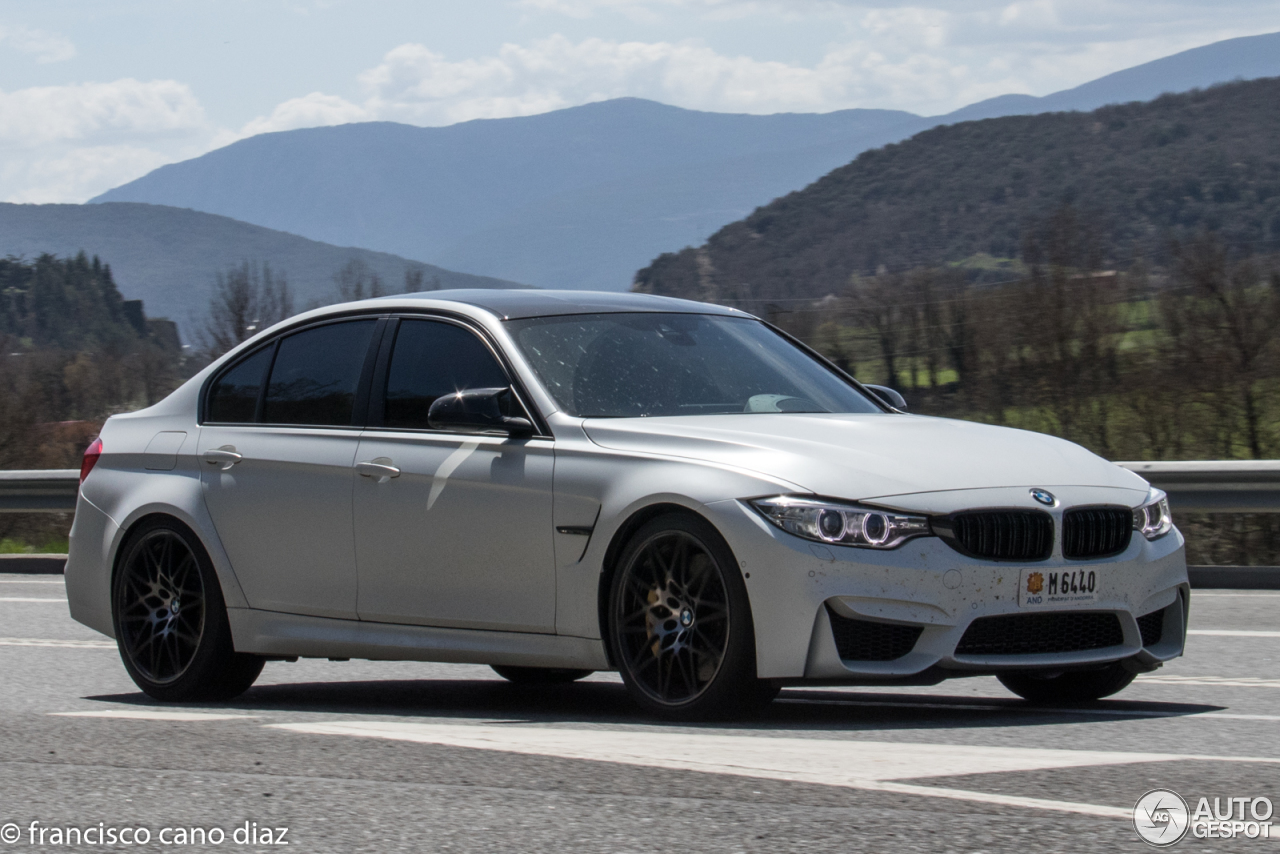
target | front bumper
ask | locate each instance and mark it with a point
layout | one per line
(797, 588)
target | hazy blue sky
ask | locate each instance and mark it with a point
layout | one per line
(93, 94)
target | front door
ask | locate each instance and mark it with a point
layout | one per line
(277, 468)
(452, 529)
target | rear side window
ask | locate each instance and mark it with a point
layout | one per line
(317, 373)
(431, 359)
(234, 396)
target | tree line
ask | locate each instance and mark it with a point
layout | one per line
(1177, 363)
(72, 352)
(1145, 363)
(251, 296)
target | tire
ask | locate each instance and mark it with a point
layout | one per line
(679, 624)
(539, 675)
(1073, 686)
(171, 621)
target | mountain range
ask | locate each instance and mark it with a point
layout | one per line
(168, 257)
(582, 197)
(1134, 177)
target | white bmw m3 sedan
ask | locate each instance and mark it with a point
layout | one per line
(555, 483)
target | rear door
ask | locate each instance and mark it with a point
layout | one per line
(278, 443)
(452, 529)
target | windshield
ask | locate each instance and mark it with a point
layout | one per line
(629, 365)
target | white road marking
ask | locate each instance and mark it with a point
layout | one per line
(1225, 681)
(987, 707)
(58, 642)
(30, 581)
(1024, 709)
(1253, 594)
(1002, 800)
(852, 764)
(150, 715)
(29, 599)
(1233, 633)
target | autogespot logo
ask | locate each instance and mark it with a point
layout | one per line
(1044, 496)
(1161, 817)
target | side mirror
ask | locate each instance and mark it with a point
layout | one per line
(889, 396)
(477, 409)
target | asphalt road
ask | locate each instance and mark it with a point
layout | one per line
(379, 757)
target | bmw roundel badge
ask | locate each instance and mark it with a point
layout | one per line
(1044, 496)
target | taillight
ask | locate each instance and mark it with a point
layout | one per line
(90, 458)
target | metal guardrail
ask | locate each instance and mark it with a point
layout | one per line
(39, 491)
(1201, 486)
(1215, 486)
(1198, 486)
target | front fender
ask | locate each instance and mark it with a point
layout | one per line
(611, 488)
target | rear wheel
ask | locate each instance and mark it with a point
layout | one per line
(680, 625)
(1073, 686)
(170, 619)
(539, 675)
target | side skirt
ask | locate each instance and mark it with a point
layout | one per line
(277, 634)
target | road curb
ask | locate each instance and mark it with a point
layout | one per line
(33, 564)
(1235, 577)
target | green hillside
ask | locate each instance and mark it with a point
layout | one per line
(1142, 174)
(169, 257)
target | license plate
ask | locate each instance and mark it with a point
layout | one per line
(1040, 587)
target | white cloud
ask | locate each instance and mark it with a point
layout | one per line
(417, 85)
(68, 143)
(585, 8)
(44, 46)
(43, 114)
(75, 173)
(311, 110)
(926, 56)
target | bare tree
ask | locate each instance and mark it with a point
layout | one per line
(877, 304)
(246, 299)
(1069, 312)
(356, 281)
(1228, 316)
(413, 280)
(17, 412)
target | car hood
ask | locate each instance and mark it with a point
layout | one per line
(867, 456)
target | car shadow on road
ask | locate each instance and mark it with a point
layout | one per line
(608, 702)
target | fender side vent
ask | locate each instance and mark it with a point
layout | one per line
(863, 640)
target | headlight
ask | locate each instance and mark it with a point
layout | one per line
(1153, 518)
(840, 524)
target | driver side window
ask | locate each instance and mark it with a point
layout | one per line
(429, 359)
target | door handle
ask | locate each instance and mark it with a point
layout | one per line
(381, 468)
(225, 456)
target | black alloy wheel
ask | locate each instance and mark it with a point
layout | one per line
(162, 604)
(680, 623)
(170, 621)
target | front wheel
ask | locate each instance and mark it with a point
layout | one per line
(1073, 686)
(170, 619)
(680, 626)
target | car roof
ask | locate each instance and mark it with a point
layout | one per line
(527, 302)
